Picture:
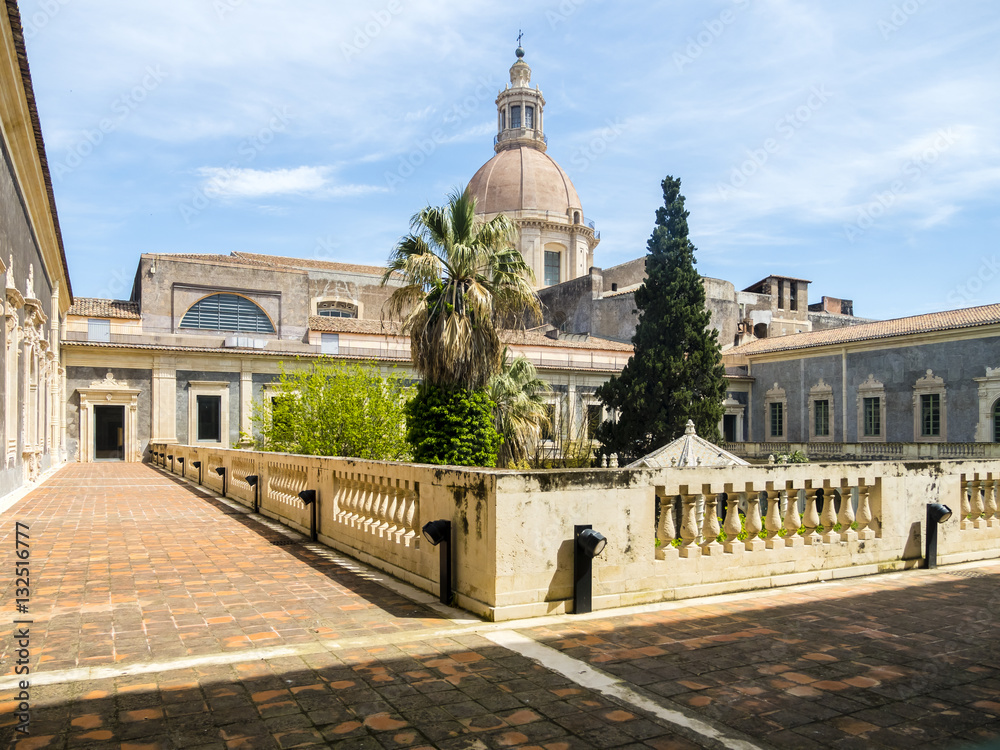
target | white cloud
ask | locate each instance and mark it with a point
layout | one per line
(223, 182)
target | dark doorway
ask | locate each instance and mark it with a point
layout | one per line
(729, 427)
(109, 433)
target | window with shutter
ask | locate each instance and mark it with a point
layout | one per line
(227, 312)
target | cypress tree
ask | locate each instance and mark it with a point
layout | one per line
(676, 372)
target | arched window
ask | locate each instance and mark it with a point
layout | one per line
(996, 422)
(227, 312)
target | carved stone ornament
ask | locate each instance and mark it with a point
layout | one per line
(29, 291)
(108, 382)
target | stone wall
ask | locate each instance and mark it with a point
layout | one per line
(513, 532)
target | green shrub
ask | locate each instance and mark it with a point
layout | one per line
(451, 426)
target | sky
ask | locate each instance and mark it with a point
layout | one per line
(853, 143)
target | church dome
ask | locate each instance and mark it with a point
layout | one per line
(523, 178)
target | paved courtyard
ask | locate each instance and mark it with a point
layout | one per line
(165, 617)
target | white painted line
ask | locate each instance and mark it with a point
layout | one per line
(84, 674)
(586, 676)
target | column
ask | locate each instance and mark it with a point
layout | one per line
(164, 400)
(246, 401)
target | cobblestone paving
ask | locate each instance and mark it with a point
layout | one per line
(165, 618)
(902, 661)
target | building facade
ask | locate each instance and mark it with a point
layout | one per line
(931, 378)
(205, 336)
(36, 282)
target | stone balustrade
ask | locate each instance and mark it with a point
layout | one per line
(672, 533)
(863, 451)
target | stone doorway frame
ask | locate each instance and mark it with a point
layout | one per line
(109, 392)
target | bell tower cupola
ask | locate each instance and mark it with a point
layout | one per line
(519, 110)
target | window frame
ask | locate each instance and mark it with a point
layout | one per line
(263, 316)
(775, 396)
(930, 385)
(105, 333)
(208, 388)
(557, 255)
(821, 393)
(871, 388)
(216, 401)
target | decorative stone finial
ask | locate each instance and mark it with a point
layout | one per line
(10, 273)
(29, 292)
(770, 459)
(689, 428)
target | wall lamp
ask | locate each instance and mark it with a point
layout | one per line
(171, 462)
(197, 465)
(936, 515)
(221, 471)
(308, 497)
(438, 533)
(252, 479)
(587, 544)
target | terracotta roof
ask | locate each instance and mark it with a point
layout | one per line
(519, 338)
(306, 263)
(29, 94)
(969, 317)
(104, 308)
(352, 325)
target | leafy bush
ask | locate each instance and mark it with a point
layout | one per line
(452, 426)
(335, 409)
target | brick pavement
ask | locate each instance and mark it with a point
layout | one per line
(168, 619)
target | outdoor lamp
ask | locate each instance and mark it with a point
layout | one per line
(936, 515)
(251, 479)
(591, 542)
(196, 464)
(309, 498)
(221, 471)
(587, 544)
(438, 533)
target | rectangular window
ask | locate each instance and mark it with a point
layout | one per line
(822, 416)
(330, 343)
(529, 117)
(99, 330)
(777, 419)
(551, 268)
(781, 294)
(793, 296)
(595, 415)
(873, 417)
(210, 419)
(930, 415)
(515, 116)
(503, 120)
(549, 428)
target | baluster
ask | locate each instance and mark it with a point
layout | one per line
(384, 498)
(829, 516)
(865, 531)
(665, 529)
(412, 512)
(846, 516)
(354, 500)
(966, 506)
(753, 523)
(775, 500)
(367, 503)
(792, 521)
(689, 527)
(710, 528)
(732, 524)
(811, 519)
(992, 503)
(976, 503)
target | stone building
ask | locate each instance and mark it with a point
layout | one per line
(204, 336)
(525, 183)
(36, 282)
(931, 378)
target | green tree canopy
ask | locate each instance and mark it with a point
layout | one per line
(519, 408)
(335, 409)
(464, 279)
(676, 371)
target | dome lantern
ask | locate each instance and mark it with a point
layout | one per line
(519, 110)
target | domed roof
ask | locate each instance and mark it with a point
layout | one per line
(522, 178)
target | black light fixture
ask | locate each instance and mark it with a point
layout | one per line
(936, 515)
(251, 479)
(587, 544)
(308, 497)
(221, 471)
(171, 463)
(197, 465)
(438, 533)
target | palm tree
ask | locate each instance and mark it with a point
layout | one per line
(464, 279)
(519, 410)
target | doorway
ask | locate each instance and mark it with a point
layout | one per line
(729, 427)
(109, 433)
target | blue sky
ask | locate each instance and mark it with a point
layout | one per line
(853, 143)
